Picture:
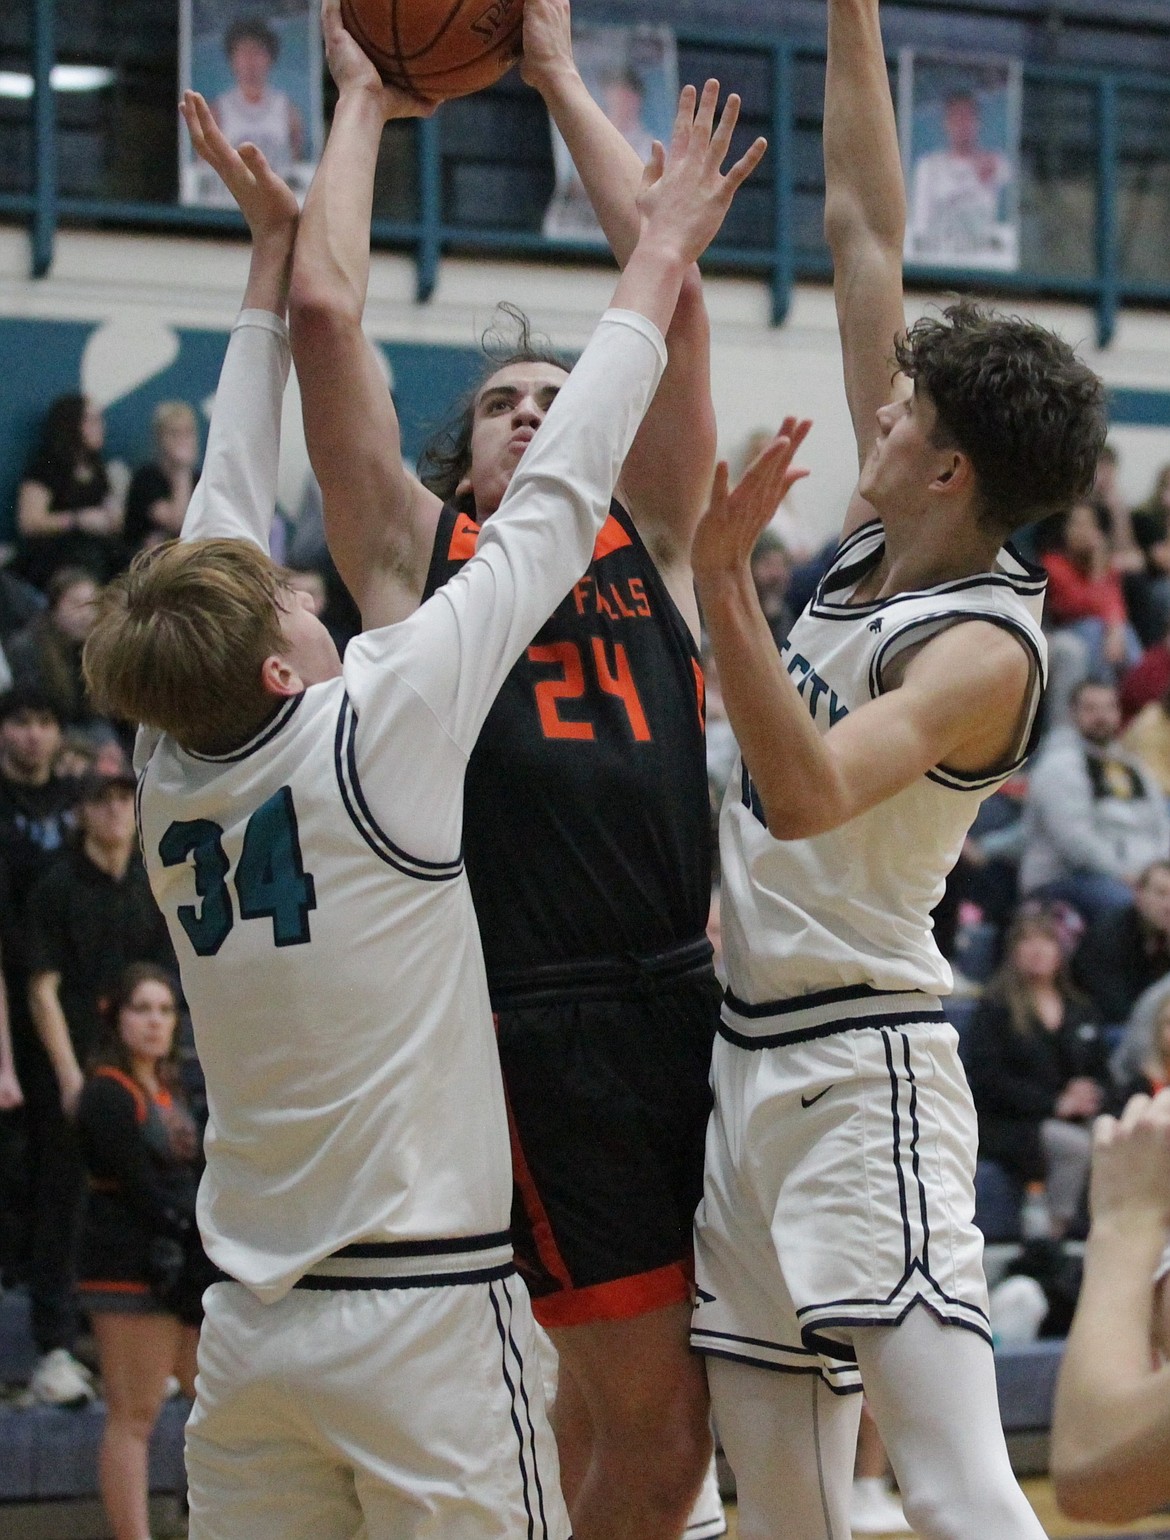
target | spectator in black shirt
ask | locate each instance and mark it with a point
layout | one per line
(159, 492)
(87, 919)
(1126, 950)
(67, 513)
(1037, 1064)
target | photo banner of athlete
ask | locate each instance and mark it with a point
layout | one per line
(259, 66)
(632, 73)
(959, 125)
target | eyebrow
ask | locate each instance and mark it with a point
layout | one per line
(512, 393)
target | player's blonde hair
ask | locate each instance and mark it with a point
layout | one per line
(181, 638)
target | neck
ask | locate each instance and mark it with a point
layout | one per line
(145, 1071)
(922, 552)
(111, 859)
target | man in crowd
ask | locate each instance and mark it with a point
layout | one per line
(36, 817)
(87, 918)
(1095, 818)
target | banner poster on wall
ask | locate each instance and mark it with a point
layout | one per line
(632, 72)
(959, 125)
(258, 63)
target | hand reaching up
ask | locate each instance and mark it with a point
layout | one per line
(685, 193)
(266, 202)
(735, 520)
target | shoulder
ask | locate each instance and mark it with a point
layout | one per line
(110, 1095)
(977, 659)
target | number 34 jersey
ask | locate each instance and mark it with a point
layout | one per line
(587, 814)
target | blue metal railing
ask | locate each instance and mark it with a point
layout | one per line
(781, 262)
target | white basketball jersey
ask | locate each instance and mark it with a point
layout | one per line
(268, 124)
(852, 906)
(312, 880)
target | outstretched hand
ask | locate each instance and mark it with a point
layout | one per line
(548, 41)
(353, 70)
(1131, 1165)
(266, 202)
(685, 193)
(735, 520)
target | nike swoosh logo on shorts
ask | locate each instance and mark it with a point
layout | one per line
(807, 1101)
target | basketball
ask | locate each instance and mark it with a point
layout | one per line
(437, 48)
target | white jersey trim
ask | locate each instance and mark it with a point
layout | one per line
(363, 820)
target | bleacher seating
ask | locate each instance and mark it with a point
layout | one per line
(51, 1452)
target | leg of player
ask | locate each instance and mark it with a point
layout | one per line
(644, 1398)
(932, 1390)
(790, 1441)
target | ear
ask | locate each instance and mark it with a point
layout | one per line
(463, 489)
(956, 476)
(279, 677)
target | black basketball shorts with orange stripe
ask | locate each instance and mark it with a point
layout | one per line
(608, 1102)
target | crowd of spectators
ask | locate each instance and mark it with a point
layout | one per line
(1057, 918)
(100, 1095)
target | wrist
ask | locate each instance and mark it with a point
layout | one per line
(1131, 1230)
(723, 582)
(363, 102)
(556, 81)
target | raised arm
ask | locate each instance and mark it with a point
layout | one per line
(959, 702)
(865, 217)
(1111, 1422)
(379, 520)
(459, 647)
(667, 473)
(236, 494)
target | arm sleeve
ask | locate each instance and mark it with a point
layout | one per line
(235, 497)
(455, 651)
(114, 1148)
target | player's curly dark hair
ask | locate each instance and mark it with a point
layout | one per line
(1014, 398)
(446, 457)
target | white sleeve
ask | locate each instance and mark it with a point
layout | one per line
(235, 498)
(456, 650)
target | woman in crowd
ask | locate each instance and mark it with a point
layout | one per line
(159, 492)
(67, 512)
(141, 1269)
(1037, 1064)
(46, 655)
(1085, 593)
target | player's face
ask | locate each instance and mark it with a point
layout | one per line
(308, 648)
(250, 64)
(903, 461)
(508, 411)
(29, 743)
(962, 125)
(146, 1023)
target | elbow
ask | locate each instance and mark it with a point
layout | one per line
(1087, 1491)
(318, 308)
(789, 820)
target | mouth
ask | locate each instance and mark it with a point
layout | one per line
(521, 440)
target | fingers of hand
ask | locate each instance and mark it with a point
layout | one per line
(684, 120)
(705, 116)
(717, 502)
(746, 164)
(721, 139)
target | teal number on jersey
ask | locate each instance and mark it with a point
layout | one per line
(271, 881)
(271, 877)
(207, 927)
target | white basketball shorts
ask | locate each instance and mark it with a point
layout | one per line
(839, 1187)
(393, 1413)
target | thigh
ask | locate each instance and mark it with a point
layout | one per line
(790, 1441)
(932, 1391)
(608, 1103)
(460, 1447)
(637, 1373)
(256, 1463)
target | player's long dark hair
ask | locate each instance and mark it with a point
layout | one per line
(446, 457)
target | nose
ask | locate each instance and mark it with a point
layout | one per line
(527, 414)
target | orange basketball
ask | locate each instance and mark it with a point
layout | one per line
(437, 48)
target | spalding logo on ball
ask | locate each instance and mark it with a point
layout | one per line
(437, 48)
